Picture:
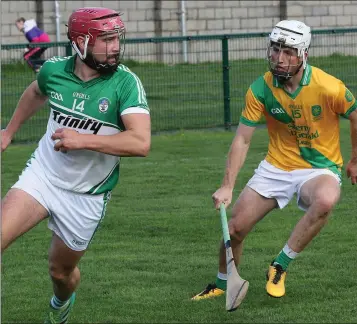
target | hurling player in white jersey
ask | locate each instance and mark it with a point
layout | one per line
(84, 128)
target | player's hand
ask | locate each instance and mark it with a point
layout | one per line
(222, 195)
(5, 139)
(351, 170)
(66, 140)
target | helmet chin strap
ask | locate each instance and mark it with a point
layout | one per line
(84, 55)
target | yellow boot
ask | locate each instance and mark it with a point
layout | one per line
(275, 286)
(211, 291)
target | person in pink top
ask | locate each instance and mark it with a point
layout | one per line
(34, 35)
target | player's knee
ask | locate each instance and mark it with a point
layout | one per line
(60, 273)
(236, 232)
(325, 202)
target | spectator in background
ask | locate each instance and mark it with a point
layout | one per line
(34, 35)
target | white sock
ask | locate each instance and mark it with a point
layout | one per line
(222, 276)
(289, 252)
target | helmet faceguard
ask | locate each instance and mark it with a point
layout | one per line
(293, 36)
(92, 23)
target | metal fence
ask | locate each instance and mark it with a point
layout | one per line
(202, 88)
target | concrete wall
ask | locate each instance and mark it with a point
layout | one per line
(147, 18)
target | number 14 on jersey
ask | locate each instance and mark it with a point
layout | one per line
(78, 106)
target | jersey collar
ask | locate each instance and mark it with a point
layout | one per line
(70, 64)
(305, 80)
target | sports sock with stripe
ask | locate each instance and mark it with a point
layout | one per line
(221, 281)
(285, 256)
(57, 303)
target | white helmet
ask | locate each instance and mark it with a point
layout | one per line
(292, 33)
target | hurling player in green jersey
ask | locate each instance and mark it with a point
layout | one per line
(98, 113)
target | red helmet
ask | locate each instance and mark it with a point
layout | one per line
(93, 21)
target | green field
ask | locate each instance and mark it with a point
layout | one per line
(182, 96)
(158, 245)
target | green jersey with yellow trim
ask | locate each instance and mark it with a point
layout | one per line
(92, 107)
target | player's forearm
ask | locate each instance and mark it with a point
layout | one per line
(235, 160)
(29, 103)
(127, 143)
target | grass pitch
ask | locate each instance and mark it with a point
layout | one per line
(158, 246)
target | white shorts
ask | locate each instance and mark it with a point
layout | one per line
(74, 217)
(271, 182)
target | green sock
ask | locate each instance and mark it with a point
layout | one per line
(221, 284)
(283, 260)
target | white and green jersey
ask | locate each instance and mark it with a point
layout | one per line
(92, 107)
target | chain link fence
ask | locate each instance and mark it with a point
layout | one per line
(202, 88)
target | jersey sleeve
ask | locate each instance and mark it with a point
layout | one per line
(132, 98)
(43, 76)
(254, 104)
(345, 103)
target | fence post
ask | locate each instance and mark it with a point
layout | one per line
(69, 49)
(226, 90)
